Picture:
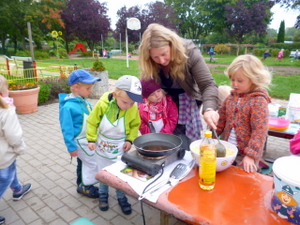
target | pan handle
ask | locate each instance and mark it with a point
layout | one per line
(152, 129)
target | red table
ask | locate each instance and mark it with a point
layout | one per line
(238, 198)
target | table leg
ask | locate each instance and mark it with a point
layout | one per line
(164, 218)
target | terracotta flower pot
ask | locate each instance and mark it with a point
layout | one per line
(26, 101)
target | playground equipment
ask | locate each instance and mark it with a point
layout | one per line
(78, 46)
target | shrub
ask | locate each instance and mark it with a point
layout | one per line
(87, 54)
(41, 54)
(45, 90)
(98, 66)
(57, 85)
(222, 49)
(258, 51)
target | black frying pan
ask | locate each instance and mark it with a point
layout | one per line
(157, 144)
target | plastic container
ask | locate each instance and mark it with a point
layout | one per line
(286, 198)
(278, 124)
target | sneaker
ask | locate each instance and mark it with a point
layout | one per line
(89, 191)
(103, 202)
(2, 220)
(25, 189)
(125, 206)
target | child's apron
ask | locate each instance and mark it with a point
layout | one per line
(88, 157)
(111, 139)
(158, 124)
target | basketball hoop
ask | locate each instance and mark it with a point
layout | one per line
(133, 24)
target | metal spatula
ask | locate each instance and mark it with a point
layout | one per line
(221, 149)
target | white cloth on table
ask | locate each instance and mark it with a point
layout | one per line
(138, 186)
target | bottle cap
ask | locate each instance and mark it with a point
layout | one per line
(208, 133)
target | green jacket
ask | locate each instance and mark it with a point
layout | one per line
(132, 118)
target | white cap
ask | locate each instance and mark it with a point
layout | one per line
(132, 86)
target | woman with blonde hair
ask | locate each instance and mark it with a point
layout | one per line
(178, 66)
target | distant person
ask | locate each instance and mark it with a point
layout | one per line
(11, 146)
(211, 54)
(112, 126)
(244, 114)
(266, 55)
(296, 55)
(158, 108)
(73, 111)
(280, 55)
(104, 53)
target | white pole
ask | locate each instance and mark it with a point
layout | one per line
(127, 60)
(120, 43)
(102, 44)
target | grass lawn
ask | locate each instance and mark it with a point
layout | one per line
(115, 67)
(282, 85)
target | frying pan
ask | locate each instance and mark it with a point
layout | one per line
(166, 144)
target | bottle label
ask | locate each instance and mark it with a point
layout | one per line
(208, 170)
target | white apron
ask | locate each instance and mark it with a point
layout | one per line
(88, 157)
(111, 139)
(157, 124)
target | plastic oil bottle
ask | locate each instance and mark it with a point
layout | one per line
(208, 162)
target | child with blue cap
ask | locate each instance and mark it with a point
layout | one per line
(73, 112)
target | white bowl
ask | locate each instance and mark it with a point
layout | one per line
(222, 162)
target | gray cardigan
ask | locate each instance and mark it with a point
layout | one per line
(199, 82)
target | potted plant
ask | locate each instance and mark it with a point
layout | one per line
(25, 94)
(98, 70)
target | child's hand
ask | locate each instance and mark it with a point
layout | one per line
(92, 146)
(248, 164)
(127, 146)
(74, 153)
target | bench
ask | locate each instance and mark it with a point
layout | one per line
(4, 62)
(21, 58)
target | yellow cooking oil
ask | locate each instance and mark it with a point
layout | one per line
(208, 162)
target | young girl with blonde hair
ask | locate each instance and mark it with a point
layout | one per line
(244, 114)
(12, 145)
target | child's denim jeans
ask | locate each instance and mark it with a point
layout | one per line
(103, 188)
(8, 178)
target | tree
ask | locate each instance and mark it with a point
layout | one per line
(193, 20)
(87, 20)
(297, 36)
(293, 4)
(121, 25)
(281, 32)
(244, 19)
(156, 12)
(206, 16)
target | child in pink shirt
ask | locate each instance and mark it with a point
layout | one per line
(158, 108)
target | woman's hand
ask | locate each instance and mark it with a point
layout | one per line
(211, 118)
(248, 164)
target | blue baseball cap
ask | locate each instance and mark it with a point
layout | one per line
(81, 76)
